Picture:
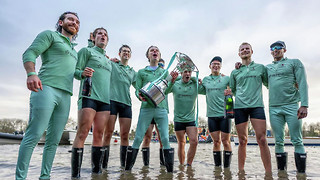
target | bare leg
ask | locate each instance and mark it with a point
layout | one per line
(225, 137)
(100, 119)
(259, 127)
(181, 144)
(242, 130)
(193, 141)
(125, 124)
(86, 116)
(147, 137)
(109, 128)
(216, 140)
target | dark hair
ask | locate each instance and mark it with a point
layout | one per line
(100, 28)
(149, 49)
(124, 46)
(162, 60)
(61, 18)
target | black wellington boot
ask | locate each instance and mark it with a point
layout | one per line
(227, 158)
(169, 159)
(76, 161)
(131, 157)
(96, 159)
(123, 155)
(282, 160)
(146, 156)
(105, 157)
(161, 157)
(300, 159)
(217, 158)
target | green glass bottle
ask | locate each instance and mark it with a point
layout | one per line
(228, 107)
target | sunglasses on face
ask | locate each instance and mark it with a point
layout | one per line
(276, 48)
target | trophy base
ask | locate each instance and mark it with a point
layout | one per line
(148, 97)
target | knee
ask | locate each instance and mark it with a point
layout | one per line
(226, 142)
(243, 141)
(82, 135)
(193, 142)
(262, 141)
(217, 143)
(125, 136)
(108, 134)
(181, 143)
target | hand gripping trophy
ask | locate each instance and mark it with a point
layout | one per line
(154, 91)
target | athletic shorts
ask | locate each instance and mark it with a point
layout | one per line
(94, 104)
(242, 115)
(179, 126)
(153, 122)
(123, 110)
(219, 124)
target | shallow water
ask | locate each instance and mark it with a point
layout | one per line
(202, 167)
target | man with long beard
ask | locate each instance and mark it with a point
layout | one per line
(51, 91)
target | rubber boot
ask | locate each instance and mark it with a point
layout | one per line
(131, 157)
(217, 158)
(227, 158)
(282, 160)
(96, 159)
(146, 156)
(169, 159)
(300, 159)
(105, 157)
(76, 161)
(161, 157)
(123, 155)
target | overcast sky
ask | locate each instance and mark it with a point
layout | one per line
(201, 29)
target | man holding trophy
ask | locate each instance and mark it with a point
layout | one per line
(149, 110)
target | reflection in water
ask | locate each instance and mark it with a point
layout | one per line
(202, 166)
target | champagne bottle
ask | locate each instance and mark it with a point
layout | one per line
(228, 107)
(87, 84)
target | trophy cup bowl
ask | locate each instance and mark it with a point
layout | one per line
(154, 91)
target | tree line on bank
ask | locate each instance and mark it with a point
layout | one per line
(12, 125)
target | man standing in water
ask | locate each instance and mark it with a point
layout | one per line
(148, 135)
(149, 112)
(185, 93)
(287, 87)
(219, 125)
(94, 107)
(51, 91)
(246, 85)
(122, 77)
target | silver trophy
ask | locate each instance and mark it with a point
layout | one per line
(154, 91)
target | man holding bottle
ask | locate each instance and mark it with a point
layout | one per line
(94, 107)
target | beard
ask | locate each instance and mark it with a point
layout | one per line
(69, 30)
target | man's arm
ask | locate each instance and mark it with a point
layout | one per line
(301, 80)
(33, 81)
(41, 43)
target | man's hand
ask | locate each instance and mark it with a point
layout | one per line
(302, 112)
(227, 92)
(91, 37)
(34, 83)
(237, 65)
(116, 60)
(200, 81)
(174, 76)
(87, 72)
(142, 98)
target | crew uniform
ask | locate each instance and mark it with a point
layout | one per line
(184, 97)
(246, 84)
(122, 77)
(284, 98)
(214, 91)
(99, 99)
(49, 108)
(147, 113)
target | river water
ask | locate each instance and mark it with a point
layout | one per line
(202, 167)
